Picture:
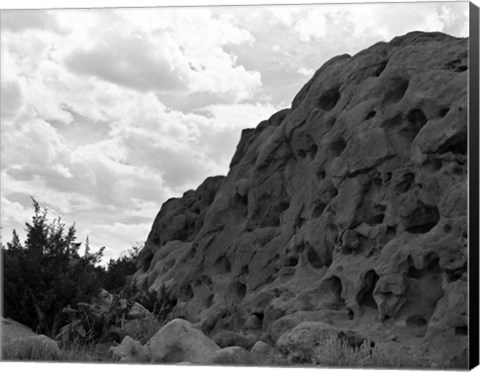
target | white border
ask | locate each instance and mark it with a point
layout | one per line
(45, 4)
(49, 4)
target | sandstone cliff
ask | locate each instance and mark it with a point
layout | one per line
(349, 208)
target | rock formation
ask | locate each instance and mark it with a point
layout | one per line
(20, 343)
(348, 209)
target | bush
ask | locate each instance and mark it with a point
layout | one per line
(46, 273)
(160, 303)
(115, 278)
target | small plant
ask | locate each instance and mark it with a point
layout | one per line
(336, 352)
(160, 303)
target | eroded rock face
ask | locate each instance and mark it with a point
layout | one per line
(350, 205)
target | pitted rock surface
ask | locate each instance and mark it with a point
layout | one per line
(348, 206)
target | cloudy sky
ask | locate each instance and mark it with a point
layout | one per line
(107, 113)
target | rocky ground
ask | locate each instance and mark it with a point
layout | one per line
(346, 211)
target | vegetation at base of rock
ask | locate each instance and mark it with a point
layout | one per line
(160, 303)
(120, 270)
(47, 273)
(337, 353)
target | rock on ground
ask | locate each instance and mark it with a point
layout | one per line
(232, 355)
(178, 341)
(21, 343)
(130, 351)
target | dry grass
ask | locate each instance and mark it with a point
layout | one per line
(31, 348)
(273, 359)
(337, 353)
(78, 353)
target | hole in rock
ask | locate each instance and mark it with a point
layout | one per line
(365, 296)
(147, 261)
(396, 88)
(433, 164)
(283, 206)
(370, 115)
(416, 321)
(291, 261)
(390, 233)
(321, 174)
(350, 314)
(461, 68)
(300, 248)
(417, 117)
(240, 205)
(377, 181)
(222, 264)
(461, 331)
(337, 146)
(313, 258)
(245, 270)
(457, 144)
(317, 212)
(443, 112)
(313, 150)
(329, 99)
(381, 67)
(260, 316)
(333, 289)
(300, 222)
(376, 219)
(388, 176)
(406, 183)
(239, 289)
(301, 153)
(454, 275)
(422, 219)
(430, 266)
(156, 240)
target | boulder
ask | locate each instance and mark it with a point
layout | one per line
(231, 338)
(179, 341)
(21, 343)
(233, 355)
(38, 347)
(130, 351)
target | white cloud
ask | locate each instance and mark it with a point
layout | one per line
(21, 20)
(11, 98)
(127, 61)
(306, 71)
(107, 113)
(313, 25)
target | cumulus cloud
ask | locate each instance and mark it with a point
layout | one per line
(10, 98)
(107, 113)
(21, 20)
(128, 61)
